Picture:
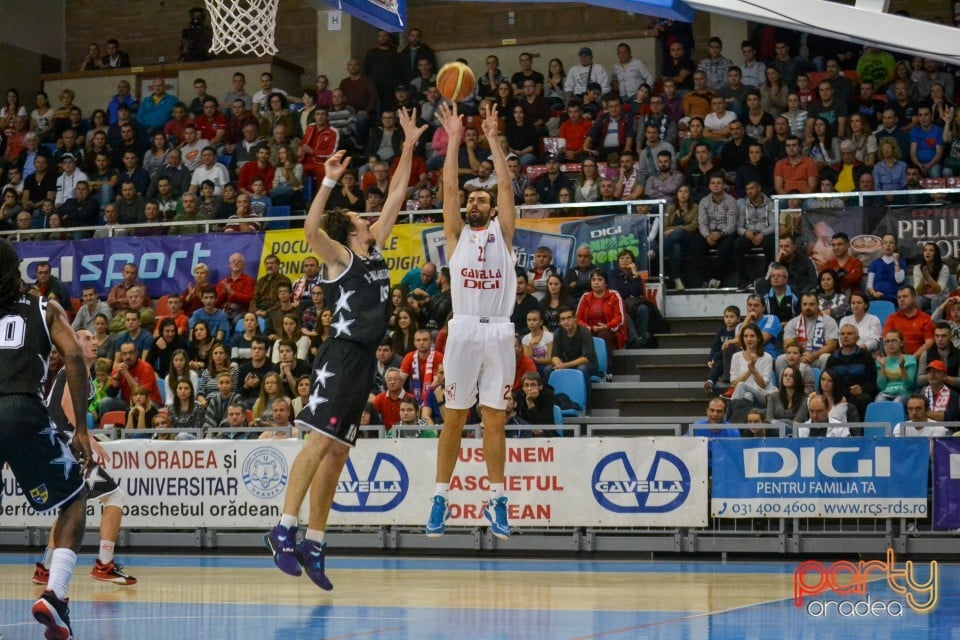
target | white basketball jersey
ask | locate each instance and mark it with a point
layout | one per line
(482, 275)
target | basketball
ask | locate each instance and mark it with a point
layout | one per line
(455, 81)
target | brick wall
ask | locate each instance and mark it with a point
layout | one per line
(149, 29)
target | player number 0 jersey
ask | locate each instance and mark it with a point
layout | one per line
(482, 274)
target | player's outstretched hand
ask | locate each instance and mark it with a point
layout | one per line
(450, 119)
(408, 122)
(336, 165)
(491, 123)
(99, 454)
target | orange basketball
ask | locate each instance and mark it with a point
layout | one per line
(455, 81)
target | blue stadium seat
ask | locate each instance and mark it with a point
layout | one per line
(816, 378)
(279, 211)
(557, 415)
(600, 346)
(881, 309)
(888, 411)
(572, 383)
(238, 326)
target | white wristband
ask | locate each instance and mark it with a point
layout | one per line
(329, 183)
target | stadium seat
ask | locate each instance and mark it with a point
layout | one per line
(113, 417)
(600, 346)
(571, 383)
(881, 309)
(161, 307)
(280, 212)
(816, 378)
(557, 415)
(888, 411)
(238, 325)
(75, 303)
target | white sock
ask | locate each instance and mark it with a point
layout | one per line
(106, 551)
(286, 520)
(314, 535)
(497, 489)
(443, 489)
(62, 564)
(47, 557)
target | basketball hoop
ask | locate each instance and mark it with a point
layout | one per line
(243, 26)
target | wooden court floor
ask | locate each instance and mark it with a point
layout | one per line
(393, 598)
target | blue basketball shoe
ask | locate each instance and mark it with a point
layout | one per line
(312, 557)
(496, 512)
(439, 513)
(282, 543)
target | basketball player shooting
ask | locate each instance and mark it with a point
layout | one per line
(481, 335)
(356, 282)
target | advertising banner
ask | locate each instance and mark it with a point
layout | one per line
(607, 235)
(608, 482)
(819, 477)
(866, 226)
(946, 483)
(165, 263)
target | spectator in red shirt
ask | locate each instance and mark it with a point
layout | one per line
(388, 402)
(574, 130)
(212, 124)
(129, 372)
(320, 141)
(175, 308)
(235, 291)
(525, 365)
(419, 366)
(260, 168)
(914, 325)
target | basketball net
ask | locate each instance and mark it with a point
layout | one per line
(243, 26)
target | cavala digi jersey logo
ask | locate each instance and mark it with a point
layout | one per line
(622, 487)
(265, 472)
(381, 488)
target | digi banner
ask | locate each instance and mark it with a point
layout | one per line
(946, 483)
(819, 477)
(608, 235)
(165, 263)
(612, 482)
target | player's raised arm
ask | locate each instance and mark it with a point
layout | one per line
(397, 194)
(453, 125)
(506, 208)
(328, 250)
(78, 377)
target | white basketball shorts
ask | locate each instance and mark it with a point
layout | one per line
(479, 356)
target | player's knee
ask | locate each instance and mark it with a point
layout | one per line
(115, 499)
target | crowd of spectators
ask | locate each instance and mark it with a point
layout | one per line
(716, 138)
(794, 347)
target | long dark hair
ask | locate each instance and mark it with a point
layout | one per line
(10, 282)
(937, 259)
(792, 404)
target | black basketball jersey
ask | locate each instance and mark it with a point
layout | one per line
(358, 299)
(24, 347)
